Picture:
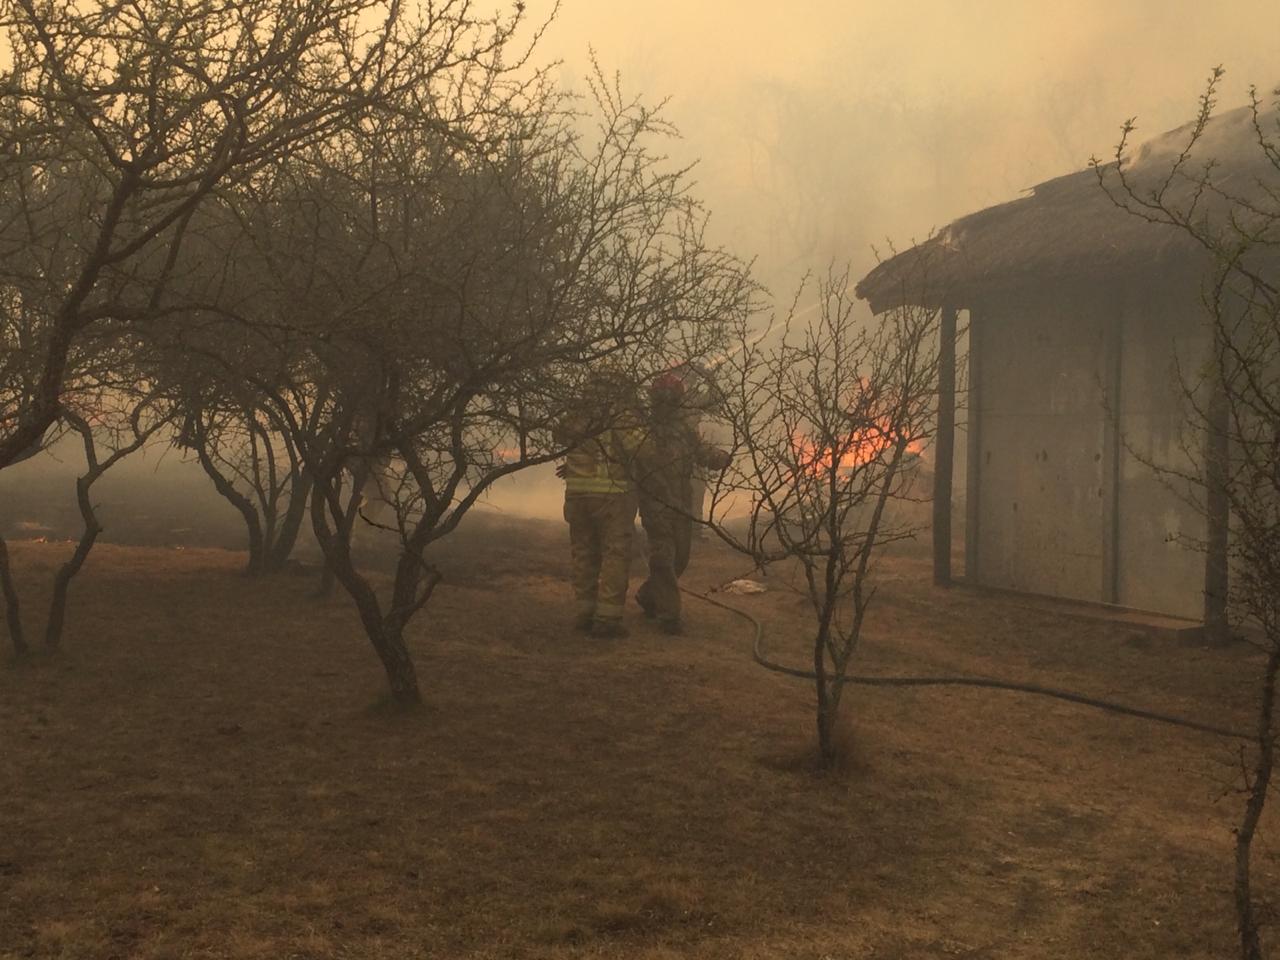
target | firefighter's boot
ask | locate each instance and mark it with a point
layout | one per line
(610, 630)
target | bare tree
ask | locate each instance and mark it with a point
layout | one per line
(1230, 207)
(111, 421)
(431, 288)
(8, 585)
(111, 425)
(101, 388)
(118, 121)
(225, 424)
(256, 467)
(827, 425)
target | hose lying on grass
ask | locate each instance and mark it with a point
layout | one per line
(757, 653)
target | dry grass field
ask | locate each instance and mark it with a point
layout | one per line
(209, 770)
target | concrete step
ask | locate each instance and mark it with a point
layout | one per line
(1177, 629)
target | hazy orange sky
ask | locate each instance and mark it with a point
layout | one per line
(823, 127)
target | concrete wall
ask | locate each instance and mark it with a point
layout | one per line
(1067, 503)
(1160, 566)
(1042, 438)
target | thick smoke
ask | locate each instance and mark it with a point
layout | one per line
(824, 134)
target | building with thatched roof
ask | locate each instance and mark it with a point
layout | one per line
(1079, 314)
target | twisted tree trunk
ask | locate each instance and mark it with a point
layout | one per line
(279, 551)
(386, 633)
(346, 526)
(243, 505)
(12, 611)
(62, 579)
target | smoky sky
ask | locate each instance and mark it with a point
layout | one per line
(822, 128)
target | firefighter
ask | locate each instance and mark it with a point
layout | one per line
(600, 501)
(666, 482)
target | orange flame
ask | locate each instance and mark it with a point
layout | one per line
(859, 448)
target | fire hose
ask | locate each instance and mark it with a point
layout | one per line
(990, 683)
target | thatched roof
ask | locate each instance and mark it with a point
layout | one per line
(1070, 229)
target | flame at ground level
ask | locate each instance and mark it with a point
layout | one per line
(846, 454)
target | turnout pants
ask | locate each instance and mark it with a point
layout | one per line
(601, 527)
(669, 534)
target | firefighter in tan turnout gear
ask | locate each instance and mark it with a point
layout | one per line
(666, 483)
(600, 501)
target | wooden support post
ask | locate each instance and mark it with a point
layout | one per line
(1112, 449)
(973, 453)
(944, 448)
(1218, 518)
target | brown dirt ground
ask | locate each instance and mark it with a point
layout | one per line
(207, 772)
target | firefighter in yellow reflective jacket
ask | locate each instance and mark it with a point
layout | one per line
(667, 510)
(600, 501)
